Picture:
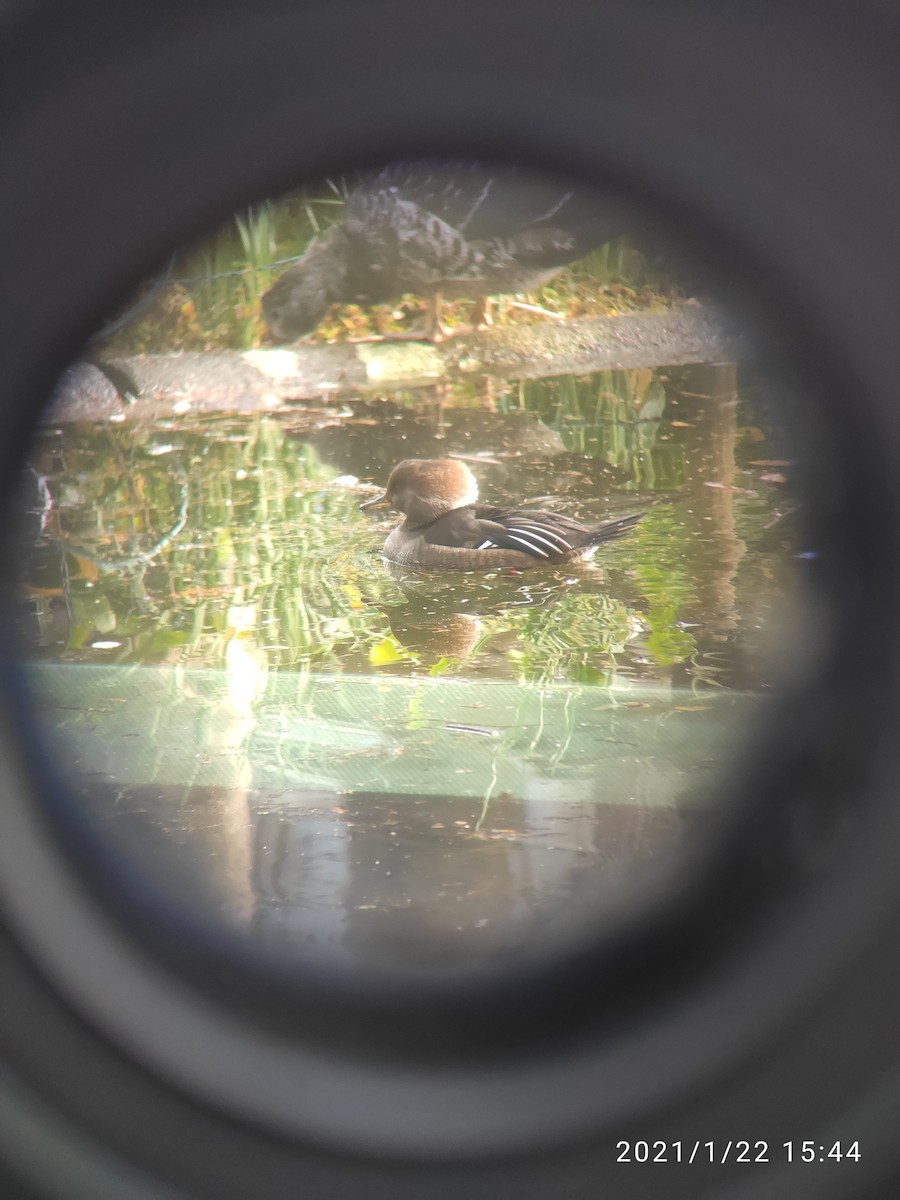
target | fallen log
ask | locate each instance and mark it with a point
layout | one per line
(172, 385)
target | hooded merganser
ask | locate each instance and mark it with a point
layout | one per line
(446, 529)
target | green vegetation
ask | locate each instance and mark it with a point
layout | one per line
(613, 416)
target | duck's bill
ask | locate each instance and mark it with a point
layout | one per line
(379, 502)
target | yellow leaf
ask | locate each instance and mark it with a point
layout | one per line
(388, 651)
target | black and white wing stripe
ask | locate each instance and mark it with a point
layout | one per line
(523, 532)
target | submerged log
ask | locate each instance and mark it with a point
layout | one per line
(172, 385)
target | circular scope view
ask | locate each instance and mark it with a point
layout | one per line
(405, 566)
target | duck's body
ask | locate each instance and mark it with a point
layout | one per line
(458, 231)
(445, 529)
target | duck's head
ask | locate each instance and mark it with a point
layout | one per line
(297, 301)
(423, 489)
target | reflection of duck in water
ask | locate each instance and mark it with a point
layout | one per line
(446, 529)
(458, 231)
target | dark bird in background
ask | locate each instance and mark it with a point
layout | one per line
(459, 231)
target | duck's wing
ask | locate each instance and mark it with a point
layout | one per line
(481, 527)
(546, 536)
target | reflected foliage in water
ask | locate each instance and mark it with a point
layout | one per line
(167, 543)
